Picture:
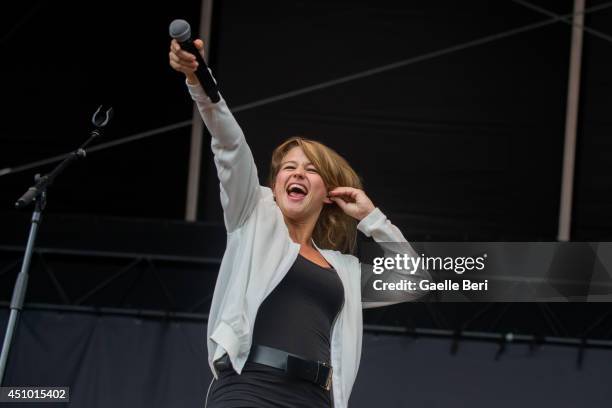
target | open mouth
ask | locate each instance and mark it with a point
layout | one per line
(296, 191)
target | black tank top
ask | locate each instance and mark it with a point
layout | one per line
(297, 316)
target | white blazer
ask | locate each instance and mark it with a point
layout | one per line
(259, 253)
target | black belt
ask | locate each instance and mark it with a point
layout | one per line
(317, 372)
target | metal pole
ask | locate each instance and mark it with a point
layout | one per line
(21, 284)
(195, 155)
(571, 122)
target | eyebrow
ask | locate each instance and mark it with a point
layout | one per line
(294, 162)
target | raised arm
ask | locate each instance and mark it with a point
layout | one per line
(236, 169)
(393, 243)
(373, 223)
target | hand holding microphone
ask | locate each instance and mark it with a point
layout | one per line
(185, 57)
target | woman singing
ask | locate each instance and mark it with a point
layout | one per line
(285, 324)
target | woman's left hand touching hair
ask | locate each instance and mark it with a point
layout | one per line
(353, 201)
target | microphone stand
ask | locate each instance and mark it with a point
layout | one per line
(38, 194)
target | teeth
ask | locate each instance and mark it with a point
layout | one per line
(298, 187)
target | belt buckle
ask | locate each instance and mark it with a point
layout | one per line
(222, 363)
(328, 380)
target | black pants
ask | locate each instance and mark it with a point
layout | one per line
(260, 386)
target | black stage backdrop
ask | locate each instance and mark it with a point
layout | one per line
(128, 362)
(466, 145)
(593, 195)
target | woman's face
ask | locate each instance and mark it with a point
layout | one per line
(299, 190)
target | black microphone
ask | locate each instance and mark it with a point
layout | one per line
(181, 32)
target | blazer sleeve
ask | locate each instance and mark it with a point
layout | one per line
(392, 241)
(239, 183)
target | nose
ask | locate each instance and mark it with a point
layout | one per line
(299, 172)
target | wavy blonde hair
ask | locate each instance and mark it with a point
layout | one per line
(334, 229)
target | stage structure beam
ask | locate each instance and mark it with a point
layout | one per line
(197, 127)
(571, 124)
